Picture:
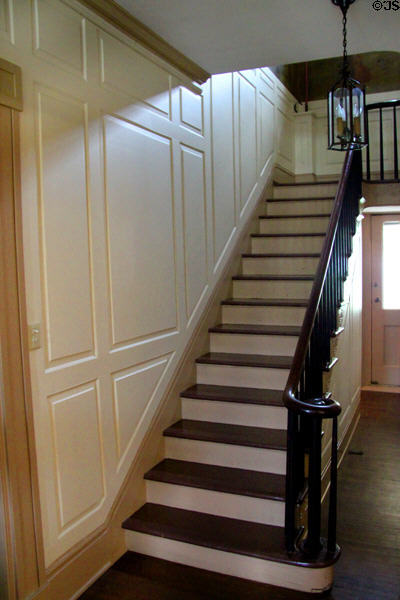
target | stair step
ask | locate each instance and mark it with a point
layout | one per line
(308, 216)
(295, 207)
(273, 278)
(287, 243)
(222, 479)
(302, 199)
(301, 302)
(245, 360)
(158, 579)
(256, 329)
(281, 255)
(287, 235)
(200, 529)
(222, 433)
(304, 183)
(225, 393)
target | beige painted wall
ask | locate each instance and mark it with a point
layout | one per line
(135, 188)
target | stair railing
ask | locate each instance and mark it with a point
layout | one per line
(390, 109)
(304, 398)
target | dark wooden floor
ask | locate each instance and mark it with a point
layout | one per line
(368, 531)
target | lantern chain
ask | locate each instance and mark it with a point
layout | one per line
(345, 57)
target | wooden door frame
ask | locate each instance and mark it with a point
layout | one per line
(367, 289)
(18, 469)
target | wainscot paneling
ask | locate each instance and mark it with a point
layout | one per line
(247, 137)
(60, 35)
(136, 186)
(140, 231)
(63, 161)
(6, 24)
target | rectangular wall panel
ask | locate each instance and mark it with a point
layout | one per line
(266, 128)
(139, 194)
(127, 71)
(191, 106)
(223, 161)
(133, 391)
(79, 463)
(247, 139)
(195, 224)
(65, 226)
(59, 35)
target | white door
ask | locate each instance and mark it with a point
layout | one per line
(386, 299)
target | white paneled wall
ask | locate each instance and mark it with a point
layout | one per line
(135, 186)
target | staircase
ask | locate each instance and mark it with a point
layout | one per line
(217, 501)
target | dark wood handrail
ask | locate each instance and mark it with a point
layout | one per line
(324, 407)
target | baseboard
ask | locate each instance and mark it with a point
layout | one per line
(77, 574)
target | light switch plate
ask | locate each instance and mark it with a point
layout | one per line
(34, 336)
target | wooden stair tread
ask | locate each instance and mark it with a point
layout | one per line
(290, 235)
(281, 255)
(298, 302)
(246, 538)
(273, 277)
(243, 482)
(303, 183)
(225, 393)
(245, 360)
(241, 328)
(226, 433)
(312, 215)
(306, 199)
(139, 577)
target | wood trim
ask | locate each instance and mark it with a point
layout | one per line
(10, 85)
(367, 299)
(125, 22)
(17, 448)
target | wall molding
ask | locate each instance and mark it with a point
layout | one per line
(125, 22)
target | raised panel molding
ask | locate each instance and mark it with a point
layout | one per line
(267, 128)
(60, 35)
(223, 184)
(6, 22)
(79, 467)
(247, 139)
(133, 391)
(125, 70)
(140, 227)
(194, 226)
(191, 110)
(64, 220)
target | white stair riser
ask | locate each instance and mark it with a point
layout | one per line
(235, 413)
(263, 315)
(302, 225)
(255, 569)
(305, 191)
(254, 377)
(226, 455)
(286, 245)
(234, 506)
(283, 345)
(299, 207)
(279, 266)
(271, 289)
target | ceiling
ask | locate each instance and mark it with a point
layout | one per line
(228, 35)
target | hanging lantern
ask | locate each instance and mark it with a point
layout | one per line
(346, 102)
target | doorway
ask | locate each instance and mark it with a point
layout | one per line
(385, 309)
